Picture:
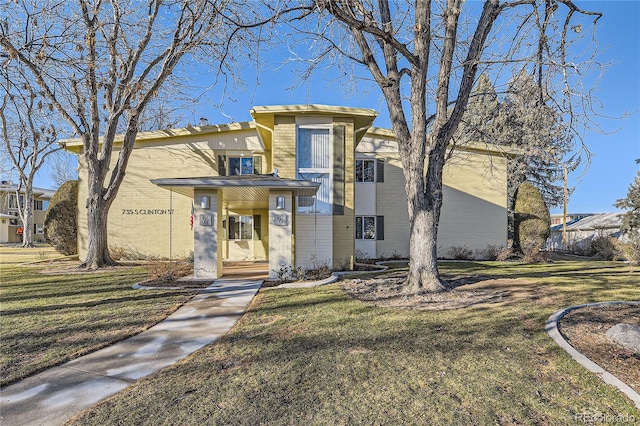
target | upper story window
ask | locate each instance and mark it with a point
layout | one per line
(369, 170)
(233, 165)
(365, 170)
(40, 205)
(13, 203)
(313, 154)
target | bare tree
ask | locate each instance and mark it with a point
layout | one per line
(425, 57)
(101, 63)
(28, 138)
(62, 168)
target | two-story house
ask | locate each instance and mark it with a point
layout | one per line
(11, 227)
(299, 185)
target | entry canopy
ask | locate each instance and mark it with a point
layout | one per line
(241, 189)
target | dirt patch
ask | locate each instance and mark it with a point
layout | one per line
(387, 291)
(585, 330)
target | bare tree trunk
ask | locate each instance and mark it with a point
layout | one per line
(27, 218)
(98, 249)
(424, 195)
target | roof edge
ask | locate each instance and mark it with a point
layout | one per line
(170, 133)
(312, 109)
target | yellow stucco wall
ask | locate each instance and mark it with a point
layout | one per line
(139, 219)
(474, 211)
(284, 146)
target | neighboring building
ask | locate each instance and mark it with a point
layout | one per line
(558, 218)
(583, 228)
(299, 185)
(10, 224)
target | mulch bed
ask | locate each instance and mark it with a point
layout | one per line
(585, 330)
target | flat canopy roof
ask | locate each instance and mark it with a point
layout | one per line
(251, 186)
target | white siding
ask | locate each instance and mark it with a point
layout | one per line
(365, 199)
(314, 241)
(366, 249)
(392, 204)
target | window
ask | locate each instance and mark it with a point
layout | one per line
(38, 228)
(365, 228)
(369, 227)
(13, 204)
(244, 227)
(314, 164)
(365, 170)
(370, 170)
(239, 165)
(40, 205)
(15, 221)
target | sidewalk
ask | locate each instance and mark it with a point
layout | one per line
(56, 395)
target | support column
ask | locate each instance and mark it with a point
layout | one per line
(280, 232)
(207, 259)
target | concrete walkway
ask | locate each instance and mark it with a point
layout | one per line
(56, 395)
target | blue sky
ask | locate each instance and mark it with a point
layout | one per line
(614, 151)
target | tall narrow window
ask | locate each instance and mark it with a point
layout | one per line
(314, 164)
(13, 201)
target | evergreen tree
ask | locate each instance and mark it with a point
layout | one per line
(522, 120)
(631, 219)
(530, 124)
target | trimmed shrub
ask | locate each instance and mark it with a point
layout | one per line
(61, 220)
(531, 221)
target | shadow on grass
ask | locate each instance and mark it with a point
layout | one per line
(88, 304)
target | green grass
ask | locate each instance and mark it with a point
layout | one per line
(48, 319)
(315, 356)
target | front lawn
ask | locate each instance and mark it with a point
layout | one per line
(317, 356)
(48, 319)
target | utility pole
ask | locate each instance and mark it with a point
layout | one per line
(564, 211)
